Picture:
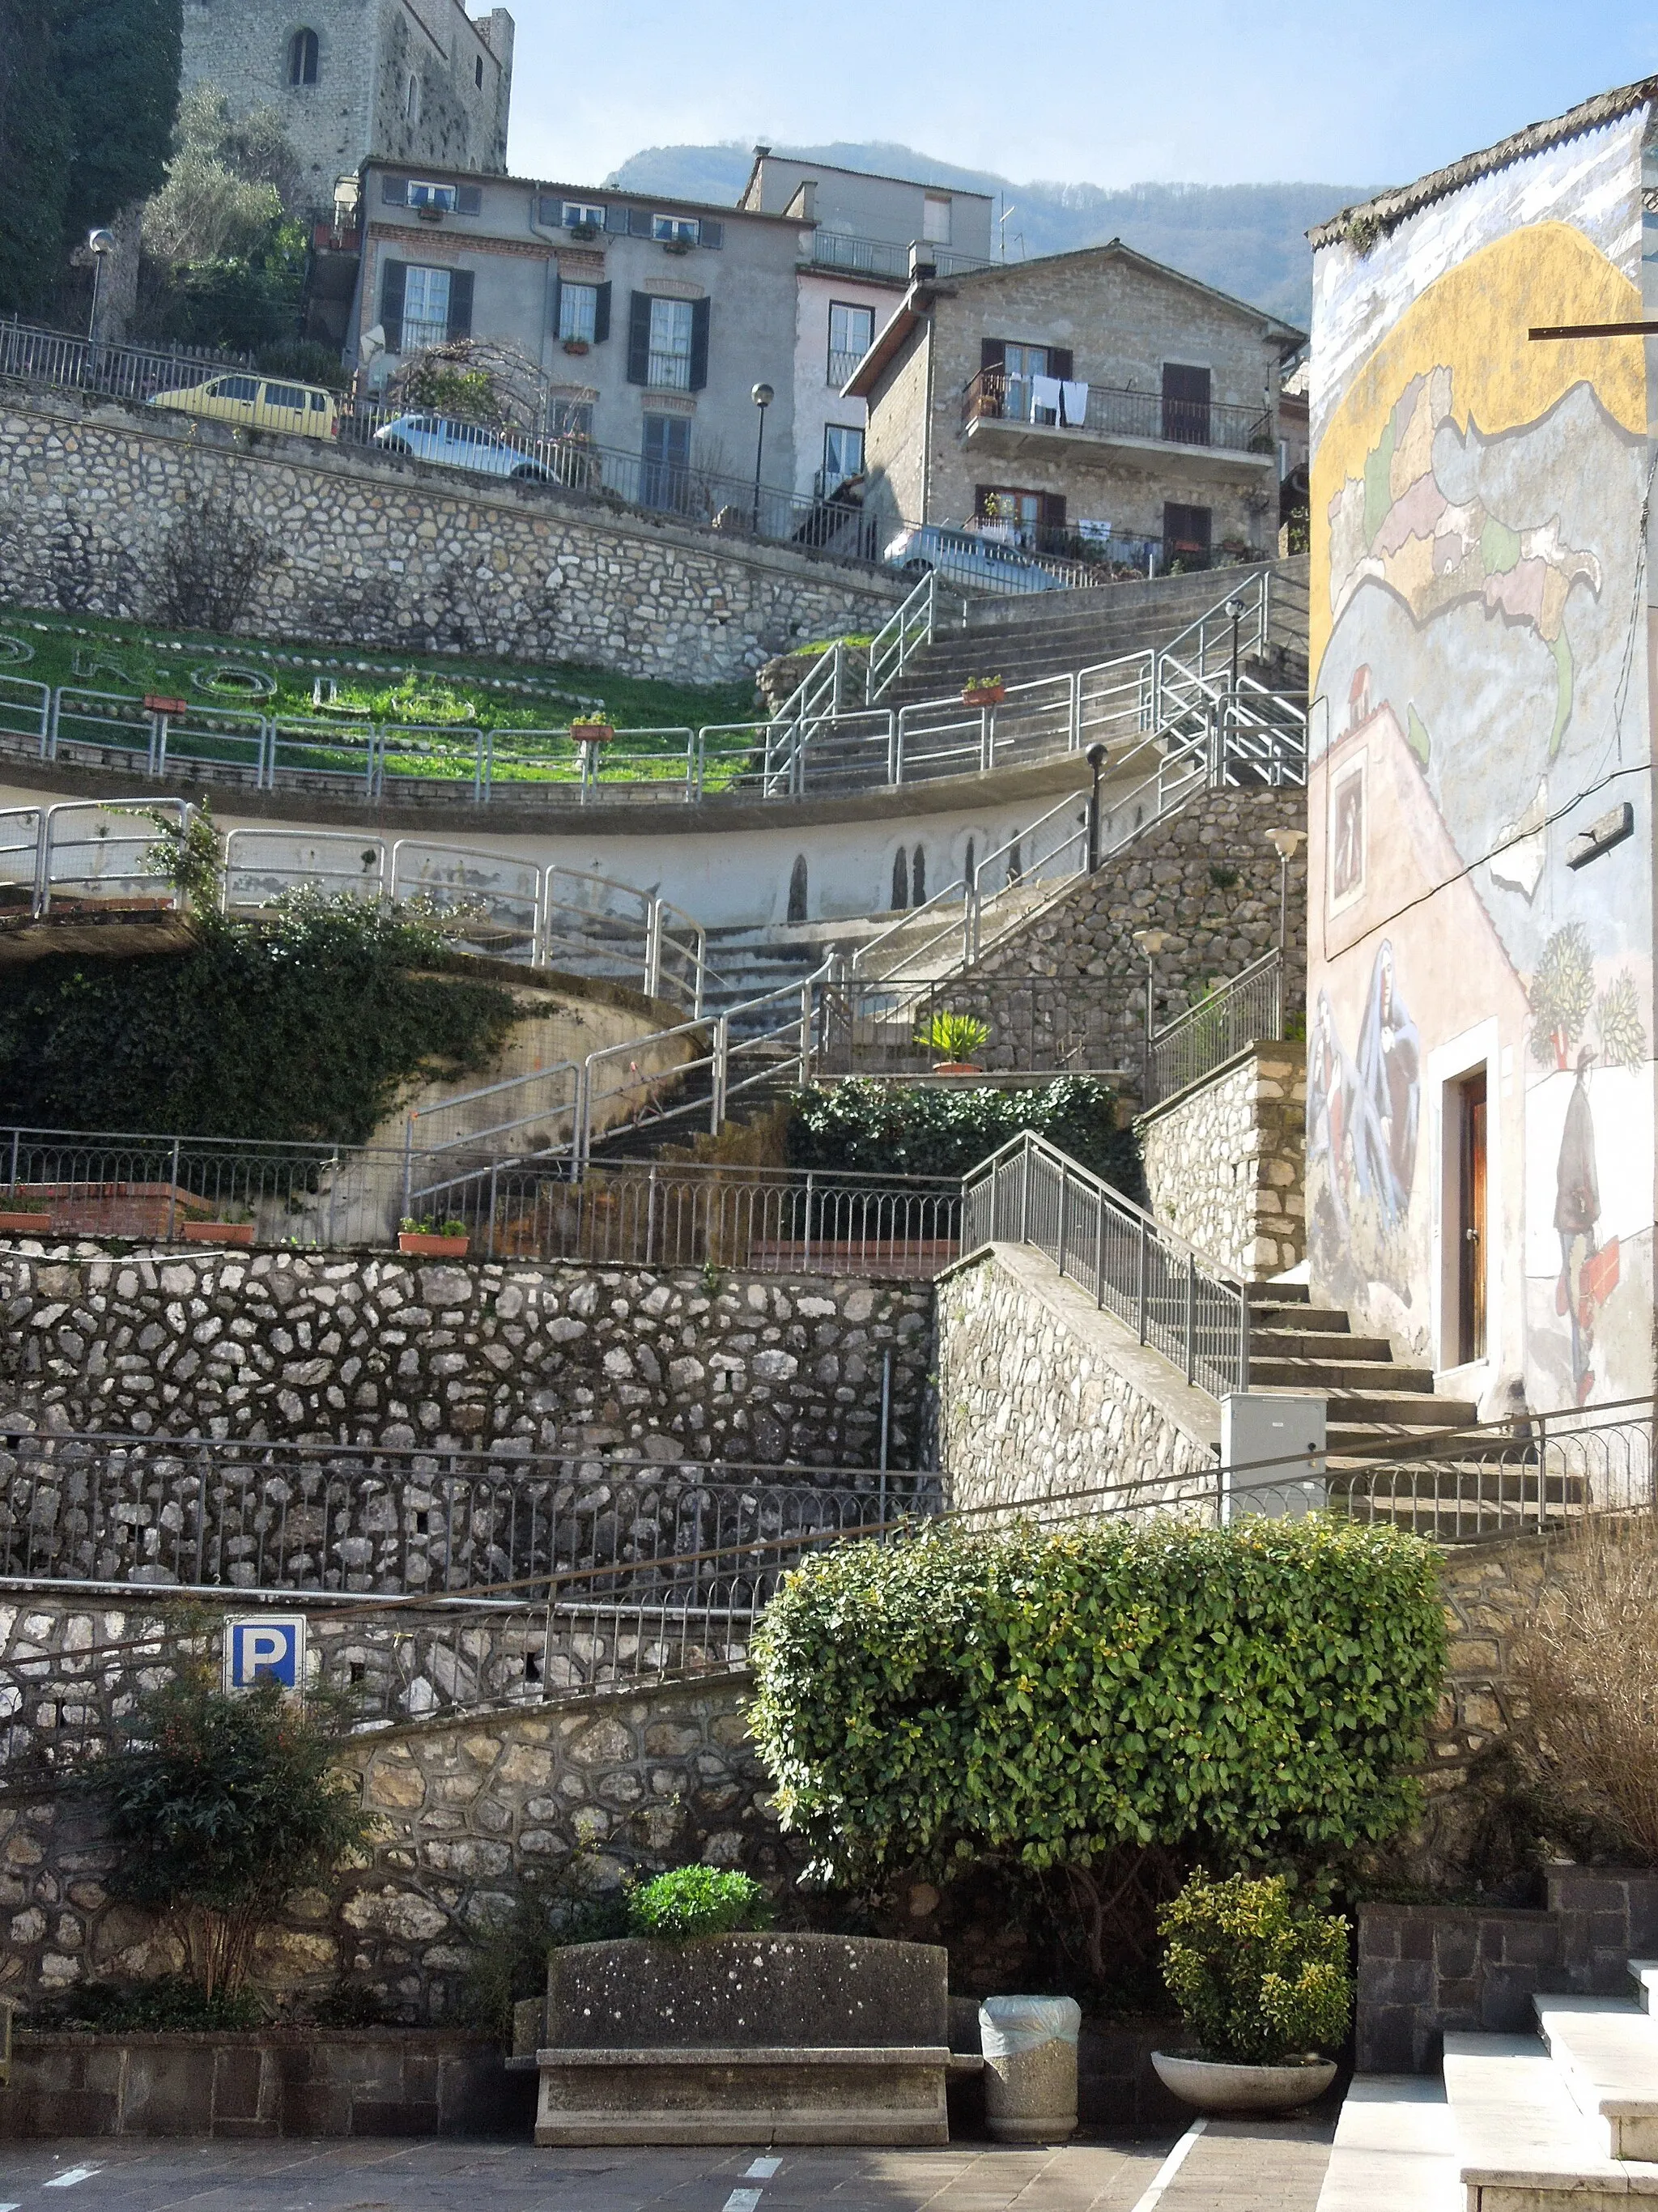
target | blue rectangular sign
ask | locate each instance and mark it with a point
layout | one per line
(265, 1648)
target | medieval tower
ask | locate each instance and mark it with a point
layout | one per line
(410, 80)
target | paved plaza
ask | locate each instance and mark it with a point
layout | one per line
(1233, 2166)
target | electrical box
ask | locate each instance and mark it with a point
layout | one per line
(1271, 1455)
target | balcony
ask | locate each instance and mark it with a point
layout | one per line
(881, 257)
(1000, 415)
(840, 366)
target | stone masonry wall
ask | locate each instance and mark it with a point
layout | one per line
(1224, 1162)
(1206, 877)
(362, 549)
(547, 1356)
(1039, 1394)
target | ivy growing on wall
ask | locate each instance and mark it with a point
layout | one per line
(301, 1030)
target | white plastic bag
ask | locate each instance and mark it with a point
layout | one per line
(1008, 2026)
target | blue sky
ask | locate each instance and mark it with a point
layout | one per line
(1211, 91)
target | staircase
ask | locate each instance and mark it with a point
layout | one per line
(1564, 2119)
(1308, 1351)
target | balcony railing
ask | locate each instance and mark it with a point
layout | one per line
(670, 372)
(993, 396)
(842, 366)
(882, 257)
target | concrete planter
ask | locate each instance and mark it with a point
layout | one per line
(745, 2039)
(1214, 2086)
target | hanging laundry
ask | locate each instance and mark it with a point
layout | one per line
(1073, 403)
(1044, 392)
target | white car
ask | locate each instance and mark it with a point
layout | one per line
(963, 557)
(459, 445)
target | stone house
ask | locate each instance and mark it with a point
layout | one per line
(414, 80)
(1075, 401)
(1480, 994)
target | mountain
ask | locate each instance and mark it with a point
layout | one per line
(1247, 240)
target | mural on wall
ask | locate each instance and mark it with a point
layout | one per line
(1477, 606)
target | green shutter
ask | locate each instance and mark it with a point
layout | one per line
(639, 337)
(460, 304)
(602, 315)
(698, 344)
(394, 279)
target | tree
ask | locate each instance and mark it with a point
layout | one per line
(226, 261)
(35, 157)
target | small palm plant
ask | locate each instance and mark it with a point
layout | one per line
(954, 1037)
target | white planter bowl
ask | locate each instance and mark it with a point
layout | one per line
(1215, 2087)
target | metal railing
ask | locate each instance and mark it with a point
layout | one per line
(901, 637)
(30, 355)
(1249, 1010)
(1044, 1025)
(1112, 412)
(1183, 1303)
(883, 256)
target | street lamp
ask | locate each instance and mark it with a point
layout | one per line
(1096, 759)
(1286, 843)
(1149, 942)
(100, 244)
(762, 395)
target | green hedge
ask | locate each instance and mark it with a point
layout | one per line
(1251, 1693)
(304, 1030)
(924, 1129)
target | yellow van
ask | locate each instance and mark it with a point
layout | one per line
(259, 402)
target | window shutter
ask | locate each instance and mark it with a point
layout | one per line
(993, 354)
(639, 337)
(460, 304)
(602, 315)
(394, 191)
(638, 222)
(616, 219)
(1053, 506)
(698, 344)
(394, 279)
(713, 234)
(549, 213)
(1059, 362)
(469, 199)
(557, 288)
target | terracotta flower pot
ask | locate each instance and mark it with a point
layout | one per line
(592, 733)
(1215, 2085)
(426, 1244)
(957, 1067)
(24, 1224)
(983, 695)
(216, 1232)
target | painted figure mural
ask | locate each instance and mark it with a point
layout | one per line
(1479, 612)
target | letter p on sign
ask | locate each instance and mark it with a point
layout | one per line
(268, 1648)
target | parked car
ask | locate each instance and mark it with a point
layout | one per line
(258, 403)
(962, 557)
(461, 445)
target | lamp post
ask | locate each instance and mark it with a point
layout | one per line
(762, 395)
(1096, 759)
(1149, 942)
(100, 244)
(1286, 843)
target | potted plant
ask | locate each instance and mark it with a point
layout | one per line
(428, 1241)
(676, 245)
(983, 691)
(589, 730)
(584, 230)
(575, 345)
(1263, 1988)
(958, 1037)
(22, 1215)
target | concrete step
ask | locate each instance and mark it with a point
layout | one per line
(1394, 2149)
(1522, 2144)
(1607, 2050)
(1387, 1409)
(1275, 1342)
(1330, 1321)
(1278, 1294)
(1268, 1367)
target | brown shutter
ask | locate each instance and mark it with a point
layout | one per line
(993, 353)
(1059, 362)
(1054, 512)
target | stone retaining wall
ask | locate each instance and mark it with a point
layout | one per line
(1224, 1161)
(552, 1356)
(346, 547)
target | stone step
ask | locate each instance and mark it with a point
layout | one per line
(1402, 1410)
(1277, 1294)
(1325, 1320)
(1394, 2148)
(1273, 1339)
(1522, 2144)
(1267, 1367)
(1607, 2050)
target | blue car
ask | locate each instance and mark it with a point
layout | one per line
(962, 557)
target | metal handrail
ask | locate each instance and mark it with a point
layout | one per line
(992, 395)
(903, 634)
(1182, 1302)
(1249, 1010)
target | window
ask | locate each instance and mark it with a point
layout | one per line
(843, 457)
(570, 418)
(1034, 520)
(425, 309)
(442, 197)
(671, 345)
(412, 100)
(900, 879)
(579, 215)
(918, 876)
(1186, 531)
(578, 312)
(676, 229)
(320, 403)
(235, 387)
(667, 453)
(797, 889)
(302, 58)
(477, 72)
(851, 334)
(935, 219)
(289, 396)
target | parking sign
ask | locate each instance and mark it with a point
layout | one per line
(264, 1647)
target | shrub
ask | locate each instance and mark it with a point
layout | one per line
(218, 1806)
(901, 1129)
(540, 1913)
(170, 2001)
(697, 1900)
(1067, 1702)
(1256, 1982)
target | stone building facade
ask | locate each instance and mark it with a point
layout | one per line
(1224, 1161)
(415, 79)
(1095, 388)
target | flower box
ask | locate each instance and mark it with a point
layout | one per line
(429, 1244)
(583, 230)
(983, 695)
(576, 345)
(24, 1224)
(217, 1232)
(592, 733)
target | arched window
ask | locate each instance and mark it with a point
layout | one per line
(302, 58)
(918, 877)
(797, 889)
(900, 879)
(412, 100)
(1015, 865)
(969, 870)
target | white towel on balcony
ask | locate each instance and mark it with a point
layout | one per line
(1045, 397)
(1073, 399)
